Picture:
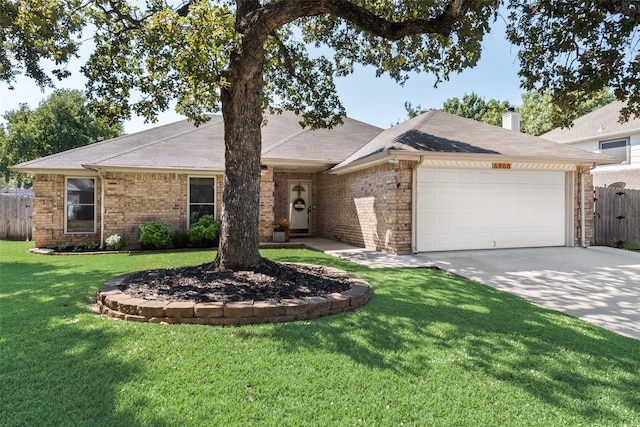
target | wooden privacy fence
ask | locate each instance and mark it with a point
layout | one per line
(15, 216)
(617, 216)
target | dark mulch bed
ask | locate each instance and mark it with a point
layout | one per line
(200, 284)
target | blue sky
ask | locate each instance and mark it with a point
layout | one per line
(378, 101)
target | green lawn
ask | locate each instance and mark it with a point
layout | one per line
(428, 349)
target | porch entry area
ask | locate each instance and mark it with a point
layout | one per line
(300, 207)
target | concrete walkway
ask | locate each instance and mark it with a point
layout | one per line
(599, 285)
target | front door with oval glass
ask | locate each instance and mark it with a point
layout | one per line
(300, 207)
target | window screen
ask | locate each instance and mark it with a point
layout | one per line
(80, 201)
(202, 200)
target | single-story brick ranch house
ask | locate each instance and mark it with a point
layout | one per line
(433, 183)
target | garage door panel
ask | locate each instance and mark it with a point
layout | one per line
(467, 177)
(484, 177)
(504, 179)
(548, 217)
(483, 209)
(483, 217)
(521, 178)
(467, 194)
(447, 176)
(448, 199)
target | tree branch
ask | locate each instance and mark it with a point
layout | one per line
(184, 9)
(130, 21)
(282, 48)
(120, 15)
(275, 15)
(628, 8)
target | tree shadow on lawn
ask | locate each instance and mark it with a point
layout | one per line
(57, 365)
(417, 318)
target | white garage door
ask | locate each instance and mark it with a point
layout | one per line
(460, 209)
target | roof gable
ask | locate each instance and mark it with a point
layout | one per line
(183, 146)
(599, 124)
(321, 145)
(422, 141)
(135, 150)
(439, 132)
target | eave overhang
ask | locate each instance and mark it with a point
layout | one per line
(144, 169)
(390, 156)
(600, 137)
(53, 171)
(295, 165)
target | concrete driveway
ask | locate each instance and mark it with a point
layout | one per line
(600, 285)
(597, 284)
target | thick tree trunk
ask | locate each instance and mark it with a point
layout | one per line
(242, 108)
(242, 113)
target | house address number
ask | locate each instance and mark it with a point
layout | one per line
(500, 165)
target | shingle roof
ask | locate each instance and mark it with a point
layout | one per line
(439, 132)
(162, 146)
(181, 145)
(329, 146)
(598, 123)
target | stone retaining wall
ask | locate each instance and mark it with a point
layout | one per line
(113, 302)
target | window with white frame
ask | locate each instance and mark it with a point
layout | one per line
(80, 206)
(202, 198)
(617, 148)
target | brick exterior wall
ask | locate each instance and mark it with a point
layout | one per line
(266, 218)
(369, 208)
(49, 212)
(588, 206)
(132, 198)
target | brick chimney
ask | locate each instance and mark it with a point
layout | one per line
(511, 120)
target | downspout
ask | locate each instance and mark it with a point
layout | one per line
(414, 209)
(102, 209)
(583, 215)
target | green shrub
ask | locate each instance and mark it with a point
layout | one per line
(62, 247)
(204, 232)
(85, 247)
(74, 247)
(155, 235)
(180, 239)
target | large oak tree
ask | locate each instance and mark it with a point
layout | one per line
(242, 57)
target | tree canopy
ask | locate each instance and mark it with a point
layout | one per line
(32, 31)
(574, 49)
(538, 110)
(473, 106)
(242, 57)
(61, 122)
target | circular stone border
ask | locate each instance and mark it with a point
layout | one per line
(112, 302)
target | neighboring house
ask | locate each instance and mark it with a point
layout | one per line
(601, 132)
(435, 182)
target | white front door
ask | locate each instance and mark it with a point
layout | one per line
(300, 207)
